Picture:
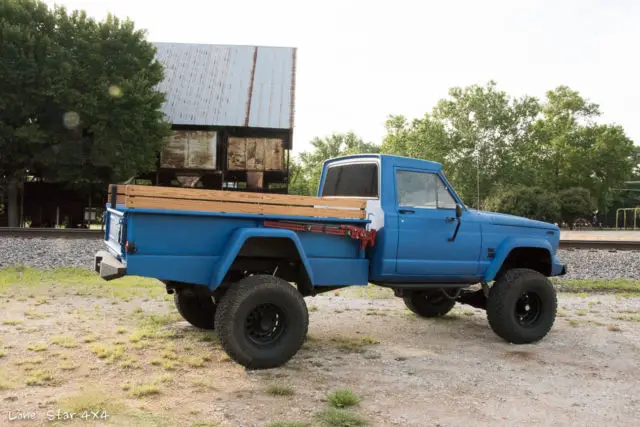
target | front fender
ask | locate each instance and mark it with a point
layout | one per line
(237, 240)
(509, 244)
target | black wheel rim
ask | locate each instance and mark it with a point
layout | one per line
(265, 324)
(528, 309)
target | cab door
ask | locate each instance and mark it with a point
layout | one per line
(426, 213)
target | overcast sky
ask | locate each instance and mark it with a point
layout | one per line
(359, 61)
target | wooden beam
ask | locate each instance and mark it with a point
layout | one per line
(241, 197)
(248, 208)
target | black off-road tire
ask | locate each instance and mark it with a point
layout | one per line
(262, 322)
(522, 305)
(428, 303)
(199, 310)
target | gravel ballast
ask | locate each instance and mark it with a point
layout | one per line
(55, 253)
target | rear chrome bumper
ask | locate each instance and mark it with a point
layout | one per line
(108, 266)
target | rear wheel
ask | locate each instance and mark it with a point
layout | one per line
(262, 322)
(428, 303)
(522, 305)
(199, 310)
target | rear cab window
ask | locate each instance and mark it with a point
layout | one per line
(352, 180)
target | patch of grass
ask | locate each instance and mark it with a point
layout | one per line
(169, 365)
(561, 313)
(2, 353)
(12, 322)
(35, 315)
(313, 308)
(91, 401)
(287, 424)
(129, 363)
(41, 377)
(194, 361)
(164, 378)
(68, 366)
(109, 353)
(37, 347)
(574, 322)
(581, 312)
(613, 328)
(343, 398)
(64, 341)
(628, 317)
(5, 384)
(41, 301)
(121, 331)
(616, 285)
(143, 390)
(156, 362)
(279, 390)
(90, 338)
(335, 417)
(353, 344)
(170, 355)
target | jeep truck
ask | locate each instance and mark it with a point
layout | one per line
(244, 273)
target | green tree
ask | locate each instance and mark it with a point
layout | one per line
(306, 170)
(480, 134)
(574, 150)
(529, 202)
(79, 103)
(575, 203)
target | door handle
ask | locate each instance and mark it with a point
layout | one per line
(407, 211)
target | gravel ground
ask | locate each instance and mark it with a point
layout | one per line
(52, 253)
(407, 371)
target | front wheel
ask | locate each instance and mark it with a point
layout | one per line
(262, 322)
(428, 304)
(522, 305)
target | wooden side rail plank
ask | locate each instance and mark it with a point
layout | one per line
(241, 197)
(248, 208)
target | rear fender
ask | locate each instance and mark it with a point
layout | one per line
(509, 244)
(238, 239)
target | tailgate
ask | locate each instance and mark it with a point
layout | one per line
(115, 231)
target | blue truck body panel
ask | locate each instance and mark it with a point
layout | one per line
(414, 243)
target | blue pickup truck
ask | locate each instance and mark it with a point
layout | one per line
(246, 275)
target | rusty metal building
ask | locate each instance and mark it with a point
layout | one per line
(232, 111)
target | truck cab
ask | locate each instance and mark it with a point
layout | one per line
(425, 233)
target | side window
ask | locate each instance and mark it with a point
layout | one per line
(423, 190)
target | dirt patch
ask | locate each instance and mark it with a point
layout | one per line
(139, 363)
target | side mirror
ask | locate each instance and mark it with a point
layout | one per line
(458, 210)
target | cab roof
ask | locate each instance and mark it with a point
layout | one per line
(401, 161)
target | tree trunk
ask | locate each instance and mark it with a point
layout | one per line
(12, 203)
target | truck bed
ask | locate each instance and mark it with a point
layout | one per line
(198, 236)
(189, 199)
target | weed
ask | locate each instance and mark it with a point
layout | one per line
(108, 353)
(169, 365)
(343, 398)
(90, 338)
(581, 312)
(165, 378)
(143, 390)
(369, 340)
(287, 424)
(37, 347)
(129, 363)
(313, 308)
(194, 362)
(279, 390)
(40, 378)
(12, 322)
(91, 402)
(628, 317)
(574, 322)
(68, 366)
(121, 331)
(63, 341)
(561, 313)
(156, 362)
(340, 418)
(35, 315)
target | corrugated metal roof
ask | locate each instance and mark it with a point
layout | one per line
(221, 85)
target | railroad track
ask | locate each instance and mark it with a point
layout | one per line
(83, 233)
